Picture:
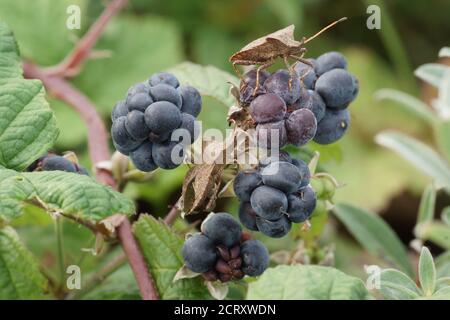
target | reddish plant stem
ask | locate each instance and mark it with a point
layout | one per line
(173, 214)
(53, 80)
(73, 62)
(98, 150)
(97, 134)
(144, 279)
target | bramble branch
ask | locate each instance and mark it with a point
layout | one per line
(56, 85)
(97, 134)
(83, 49)
(144, 278)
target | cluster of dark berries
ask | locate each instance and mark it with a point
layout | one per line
(308, 103)
(144, 123)
(52, 162)
(221, 252)
(275, 195)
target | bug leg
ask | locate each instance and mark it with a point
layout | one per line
(238, 72)
(305, 61)
(291, 70)
(258, 70)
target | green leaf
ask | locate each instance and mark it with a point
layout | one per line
(72, 195)
(434, 231)
(27, 125)
(410, 103)
(427, 272)
(120, 285)
(441, 293)
(431, 73)
(162, 251)
(442, 130)
(442, 263)
(395, 285)
(443, 282)
(374, 235)
(300, 282)
(445, 215)
(444, 52)
(419, 154)
(20, 277)
(10, 65)
(209, 80)
(49, 30)
(427, 205)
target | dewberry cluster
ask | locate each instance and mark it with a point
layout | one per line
(308, 103)
(144, 123)
(221, 252)
(275, 195)
(53, 162)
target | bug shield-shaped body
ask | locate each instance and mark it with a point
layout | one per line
(269, 47)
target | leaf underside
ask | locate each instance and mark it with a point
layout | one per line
(75, 196)
(19, 273)
(306, 282)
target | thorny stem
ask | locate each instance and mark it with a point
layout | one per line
(73, 62)
(53, 80)
(144, 278)
(60, 250)
(97, 134)
(173, 213)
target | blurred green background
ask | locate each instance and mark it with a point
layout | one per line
(154, 35)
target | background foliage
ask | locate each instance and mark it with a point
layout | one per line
(157, 35)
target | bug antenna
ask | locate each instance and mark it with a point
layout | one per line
(325, 29)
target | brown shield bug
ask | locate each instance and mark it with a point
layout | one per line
(265, 50)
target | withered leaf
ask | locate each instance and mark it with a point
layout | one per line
(201, 187)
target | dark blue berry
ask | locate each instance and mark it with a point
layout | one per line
(333, 126)
(135, 125)
(162, 117)
(247, 216)
(163, 77)
(165, 92)
(328, 61)
(304, 172)
(139, 101)
(53, 163)
(142, 157)
(281, 175)
(271, 135)
(199, 253)
(191, 100)
(274, 229)
(168, 155)
(285, 85)
(119, 110)
(267, 108)
(245, 183)
(222, 229)
(307, 73)
(255, 258)
(301, 205)
(301, 126)
(269, 203)
(121, 137)
(337, 87)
